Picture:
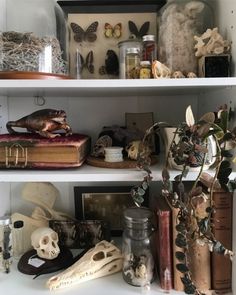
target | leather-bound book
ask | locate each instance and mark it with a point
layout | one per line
(178, 285)
(164, 243)
(27, 150)
(222, 228)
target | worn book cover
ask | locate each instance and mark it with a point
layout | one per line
(26, 150)
(164, 243)
(222, 228)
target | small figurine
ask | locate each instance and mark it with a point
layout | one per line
(43, 122)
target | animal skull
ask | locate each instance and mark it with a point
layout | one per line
(160, 70)
(177, 75)
(133, 149)
(45, 241)
(102, 260)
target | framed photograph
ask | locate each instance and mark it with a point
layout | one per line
(103, 203)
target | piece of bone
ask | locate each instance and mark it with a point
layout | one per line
(193, 8)
(102, 260)
(45, 241)
(159, 70)
(191, 75)
(40, 193)
(177, 75)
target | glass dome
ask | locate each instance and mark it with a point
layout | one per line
(179, 21)
(33, 40)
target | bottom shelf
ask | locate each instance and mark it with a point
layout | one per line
(15, 282)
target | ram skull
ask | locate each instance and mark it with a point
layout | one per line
(102, 260)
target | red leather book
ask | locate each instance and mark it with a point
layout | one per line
(26, 150)
(164, 243)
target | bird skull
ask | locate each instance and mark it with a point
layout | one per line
(45, 241)
(133, 149)
(102, 260)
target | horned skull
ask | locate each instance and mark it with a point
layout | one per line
(45, 241)
(102, 260)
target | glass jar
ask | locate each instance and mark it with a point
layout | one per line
(132, 63)
(137, 247)
(179, 21)
(5, 243)
(33, 41)
(123, 46)
(149, 49)
(145, 70)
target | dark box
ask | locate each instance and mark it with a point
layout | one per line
(214, 66)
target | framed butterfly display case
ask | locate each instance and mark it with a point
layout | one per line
(97, 27)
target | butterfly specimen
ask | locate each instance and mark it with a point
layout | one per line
(138, 33)
(111, 31)
(87, 35)
(111, 64)
(87, 63)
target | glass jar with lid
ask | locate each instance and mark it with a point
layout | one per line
(33, 40)
(123, 46)
(132, 63)
(178, 22)
(137, 247)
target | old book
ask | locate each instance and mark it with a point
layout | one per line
(199, 255)
(164, 243)
(222, 228)
(177, 283)
(33, 151)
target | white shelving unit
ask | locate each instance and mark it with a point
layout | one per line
(91, 104)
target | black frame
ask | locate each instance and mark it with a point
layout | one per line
(79, 206)
(109, 6)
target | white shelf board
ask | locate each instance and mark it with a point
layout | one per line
(112, 87)
(114, 284)
(88, 173)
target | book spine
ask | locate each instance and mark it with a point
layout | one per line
(165, 249)
(199, 255)
(222, 229)
(177, 283)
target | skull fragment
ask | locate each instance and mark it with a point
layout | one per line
(102, 260)
(45, 241)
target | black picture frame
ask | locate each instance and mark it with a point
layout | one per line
(107, 203)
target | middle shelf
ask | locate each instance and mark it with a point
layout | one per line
(88, 173)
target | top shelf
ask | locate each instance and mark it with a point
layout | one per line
(112, 87)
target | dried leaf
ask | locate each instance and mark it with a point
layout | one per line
(196, 191)
(180, 255)
(208, 180)
(203, 130)
(208, 117)
(189, 117)
(165, 174)
(182, 267)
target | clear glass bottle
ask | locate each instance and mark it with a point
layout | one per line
(123, 46)
(33, 42)
(149, 48)
(5, 243)
(178, 22)
(137, 247)
(145, 70)
(132, 63)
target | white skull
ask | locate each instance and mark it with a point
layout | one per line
(45, 241)
(102, 260)
(177, 75)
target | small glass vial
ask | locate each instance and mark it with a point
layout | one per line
(149, 51)
(137, 247)
(18, 239)
(5, 243)
(132, 63)
(145, 69)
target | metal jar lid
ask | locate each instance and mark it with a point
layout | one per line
(138, 217)
(132, 50)
(148, 38)
(145, 63)
(5, 220)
